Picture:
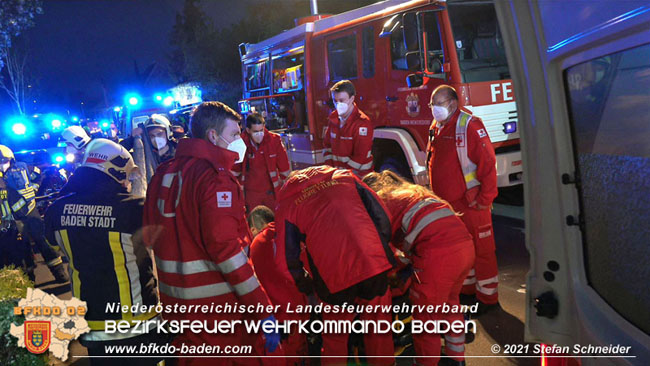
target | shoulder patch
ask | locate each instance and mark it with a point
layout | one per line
(363, 131)
(482, 133)
(224, 199)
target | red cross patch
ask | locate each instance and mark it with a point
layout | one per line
(224, 199)
(460, 140)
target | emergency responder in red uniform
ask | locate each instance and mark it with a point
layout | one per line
(266, 165)
(348, 137)
(280, 288)
(98, 225)
(441, 251)
(462, 170)
(346, 232)
(195, 220)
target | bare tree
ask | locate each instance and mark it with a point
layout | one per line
(13, 79)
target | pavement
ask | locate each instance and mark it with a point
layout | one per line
(500, 326)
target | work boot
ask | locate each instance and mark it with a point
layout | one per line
(59, 273)
(467, 299)
(484, 308)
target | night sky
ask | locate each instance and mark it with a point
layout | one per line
(76, 44)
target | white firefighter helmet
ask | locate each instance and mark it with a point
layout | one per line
(158, 120)
(76, 136)
(6, 153)
(110, 158)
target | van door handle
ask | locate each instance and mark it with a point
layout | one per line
(391, 99)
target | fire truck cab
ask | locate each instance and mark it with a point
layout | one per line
(378, 47)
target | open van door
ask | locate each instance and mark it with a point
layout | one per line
(581, 72)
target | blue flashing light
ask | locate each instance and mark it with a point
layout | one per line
(117, 109)
(158, 97)
(58, 158)
(133, 99)
(56, 123)
(105, 124)
(510, 127)
(168, 101)
(75, 119)
(19, 128)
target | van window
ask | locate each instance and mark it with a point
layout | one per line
(342, 57)
(481, 53)
(609, 99)
(368, 41)
(398, 47)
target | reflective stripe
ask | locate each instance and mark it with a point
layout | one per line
(54, 262)
(468, 167)
(168, 179)
(64, 242)
(233, 263)
(276, 184)
(236, 174)
(455, 347)
(487, 290)
(470, 176)
(455, 339)
(132, 268)
(193, 293)
(247, 286)
(471, 273)
(469, 281)
(327, 154)
(119, 265)
(273, 174)
(161, 208)
(426, 220)
(488, 281)
(285, 173)
(408, 216)
(185, 268)
(359, 166)
(18, 205)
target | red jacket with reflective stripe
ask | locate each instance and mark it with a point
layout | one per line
(274, 277)
(344, 225)
(349, 147)
(423, 220)
(445, 173)
(195, 221)
(275, 155)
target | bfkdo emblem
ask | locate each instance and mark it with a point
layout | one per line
(37, 336)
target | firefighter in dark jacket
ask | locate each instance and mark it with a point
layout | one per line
(15, 176)
(98, 225)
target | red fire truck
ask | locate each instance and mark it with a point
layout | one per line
(287, 78)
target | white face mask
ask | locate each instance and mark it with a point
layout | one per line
(238, 146)
(5, 166)
(258, 136)
(440, 113)
(159, 142)
(342, 108)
